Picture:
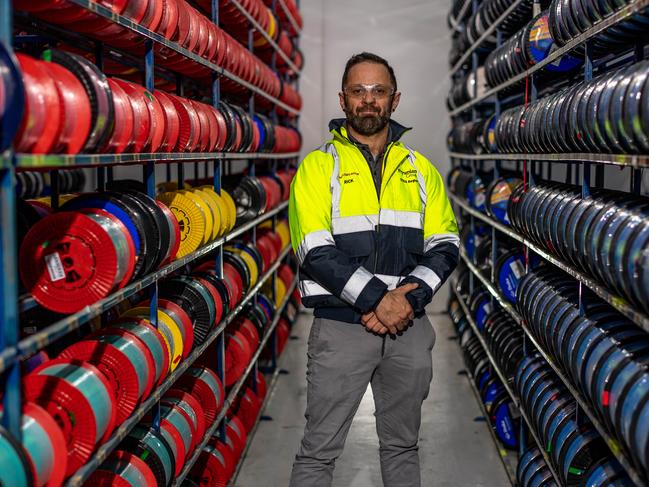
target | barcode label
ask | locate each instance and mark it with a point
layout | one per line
(54, 267)
(517, 268)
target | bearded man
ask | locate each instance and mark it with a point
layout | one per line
(375, 236)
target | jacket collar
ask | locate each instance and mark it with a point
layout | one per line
(338, 128)
(395, 155)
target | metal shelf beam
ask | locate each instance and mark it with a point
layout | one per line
(65, 160)
(631, 160)
(70, 323)
(81, 475)
(617, 302)
(614, 19)
(584, 404)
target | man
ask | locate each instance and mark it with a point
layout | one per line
(375, 237)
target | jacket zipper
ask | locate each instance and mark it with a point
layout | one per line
(377, 227)
(395, 170)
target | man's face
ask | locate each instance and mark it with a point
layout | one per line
(368, 98)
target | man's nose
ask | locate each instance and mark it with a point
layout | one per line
(369, 102)
(368, 95)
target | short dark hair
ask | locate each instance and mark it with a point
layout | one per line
(368, 57)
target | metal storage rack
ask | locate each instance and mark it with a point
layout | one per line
(493, 99)
(612, 443)
(511, 392)
(640, 318)
(13, 350)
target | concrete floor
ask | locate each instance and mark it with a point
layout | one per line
(456, 448)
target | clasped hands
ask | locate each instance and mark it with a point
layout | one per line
(392, 314)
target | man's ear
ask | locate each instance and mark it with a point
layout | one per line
(395, 100)
(341, 99)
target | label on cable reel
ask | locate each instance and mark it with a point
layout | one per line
(517, 268)
(54, 267)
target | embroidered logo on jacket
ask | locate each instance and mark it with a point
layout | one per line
(348, 177)
(407, 176)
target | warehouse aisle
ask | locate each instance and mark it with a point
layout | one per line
(455, 448)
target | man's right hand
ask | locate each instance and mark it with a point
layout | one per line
(394, 310)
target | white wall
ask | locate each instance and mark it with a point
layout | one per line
(412, 35)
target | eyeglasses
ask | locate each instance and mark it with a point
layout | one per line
(377, 91)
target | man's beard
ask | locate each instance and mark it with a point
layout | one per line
(367, 124)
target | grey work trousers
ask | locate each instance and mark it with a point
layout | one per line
(343, 359)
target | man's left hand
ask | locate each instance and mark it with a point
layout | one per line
(394, 310)
(373, 324)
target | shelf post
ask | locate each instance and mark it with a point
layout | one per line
(148, 176)
(585, 165)
(12, 417)
(636, 173)
(218, 169)
(101, 178)
(636, 181)
(218, 164)
(474, 118)
(251, 98)
(148, 65)
(496, 173)
(6, 24)
(54, 183)
(533, 95)
(180, 170)
(99, 55)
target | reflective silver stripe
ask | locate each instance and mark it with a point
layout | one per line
(360, 223)
(423, 196)
(312, 240)
(351, 224)
(335, 183)
(426, 275)
(435, 240)
(410, 219)
(356, 284)
(391, 281)
(311, 288)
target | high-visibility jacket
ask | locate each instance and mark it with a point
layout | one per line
(353, 246)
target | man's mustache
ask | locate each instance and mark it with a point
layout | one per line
(368, 109)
